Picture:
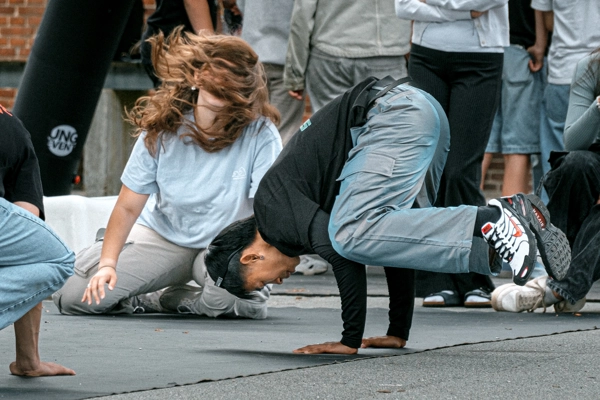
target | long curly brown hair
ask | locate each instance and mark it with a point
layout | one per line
(224, 66)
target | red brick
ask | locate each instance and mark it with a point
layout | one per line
(17, 31)
(31, 10)
(34, 21)
(17, 2)
(17, 21)
(7, 52)
(17, 42)
(7, 92)
(24, 53)
(41, 2)
(3, 20)
(8, 10)
(3, 41)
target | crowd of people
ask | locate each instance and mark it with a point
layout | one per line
(228, 191)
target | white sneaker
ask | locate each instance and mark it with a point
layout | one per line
(513, 241)
(515, 298)
(311, 264)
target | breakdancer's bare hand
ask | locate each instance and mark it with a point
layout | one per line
(328, 347)
(388, 342)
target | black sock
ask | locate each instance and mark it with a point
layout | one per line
(484, 215)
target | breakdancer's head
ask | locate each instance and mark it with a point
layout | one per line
(240, 261)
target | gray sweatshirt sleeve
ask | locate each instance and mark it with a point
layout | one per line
(582, 126)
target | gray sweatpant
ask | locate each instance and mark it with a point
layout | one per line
(148, 263)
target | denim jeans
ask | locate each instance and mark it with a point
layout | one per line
(398, 154)
(34, 262)
(573, 186)
(552, 124)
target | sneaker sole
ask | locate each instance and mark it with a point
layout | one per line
(552, 242)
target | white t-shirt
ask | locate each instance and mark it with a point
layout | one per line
(195, 194)
(575, 35)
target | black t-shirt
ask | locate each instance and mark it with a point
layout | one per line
(19, 171)
(168, 15)
(521, 20)
(303, 178)
(296, 195)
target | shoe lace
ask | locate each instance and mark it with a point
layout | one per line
(535, 300)
(503, 241)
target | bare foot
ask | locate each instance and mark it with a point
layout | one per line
(388, 342)
(43, 369)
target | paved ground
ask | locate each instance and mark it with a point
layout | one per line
(552, 367)
(563, 366)
(455, 353)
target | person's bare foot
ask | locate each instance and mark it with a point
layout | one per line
(42, 369)
(388, 342)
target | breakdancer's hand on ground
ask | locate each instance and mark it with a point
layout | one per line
(327, 347)
(388, 342)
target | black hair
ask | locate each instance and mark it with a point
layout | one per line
(222, 258)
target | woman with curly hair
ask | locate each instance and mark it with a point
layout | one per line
(205, 139)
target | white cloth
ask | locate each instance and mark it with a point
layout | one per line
(438, 18)
(575, 35)
(76, 219)
(194, 194)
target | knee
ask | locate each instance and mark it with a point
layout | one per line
(579, 162)
(341, 240)
(68, 299)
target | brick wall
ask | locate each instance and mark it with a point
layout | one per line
(20, 19)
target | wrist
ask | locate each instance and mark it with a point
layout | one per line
(107, 266)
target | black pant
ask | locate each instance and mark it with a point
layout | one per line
(467, 85)
(573, 187)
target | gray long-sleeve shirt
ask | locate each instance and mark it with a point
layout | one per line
(582, 126)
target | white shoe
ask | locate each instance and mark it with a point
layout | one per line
(311, 264)
(513, 241)
(515, 298)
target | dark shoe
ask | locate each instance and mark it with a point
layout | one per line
(445, 298)
(478, 298)
(552, 243)
(513, 240)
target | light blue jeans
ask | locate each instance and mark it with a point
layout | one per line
(397, 159)
(515, 129)
(552, 124)
(34, 262)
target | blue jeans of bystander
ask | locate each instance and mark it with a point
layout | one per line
(34, 262)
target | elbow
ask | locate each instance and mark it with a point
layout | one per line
(404, 10)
